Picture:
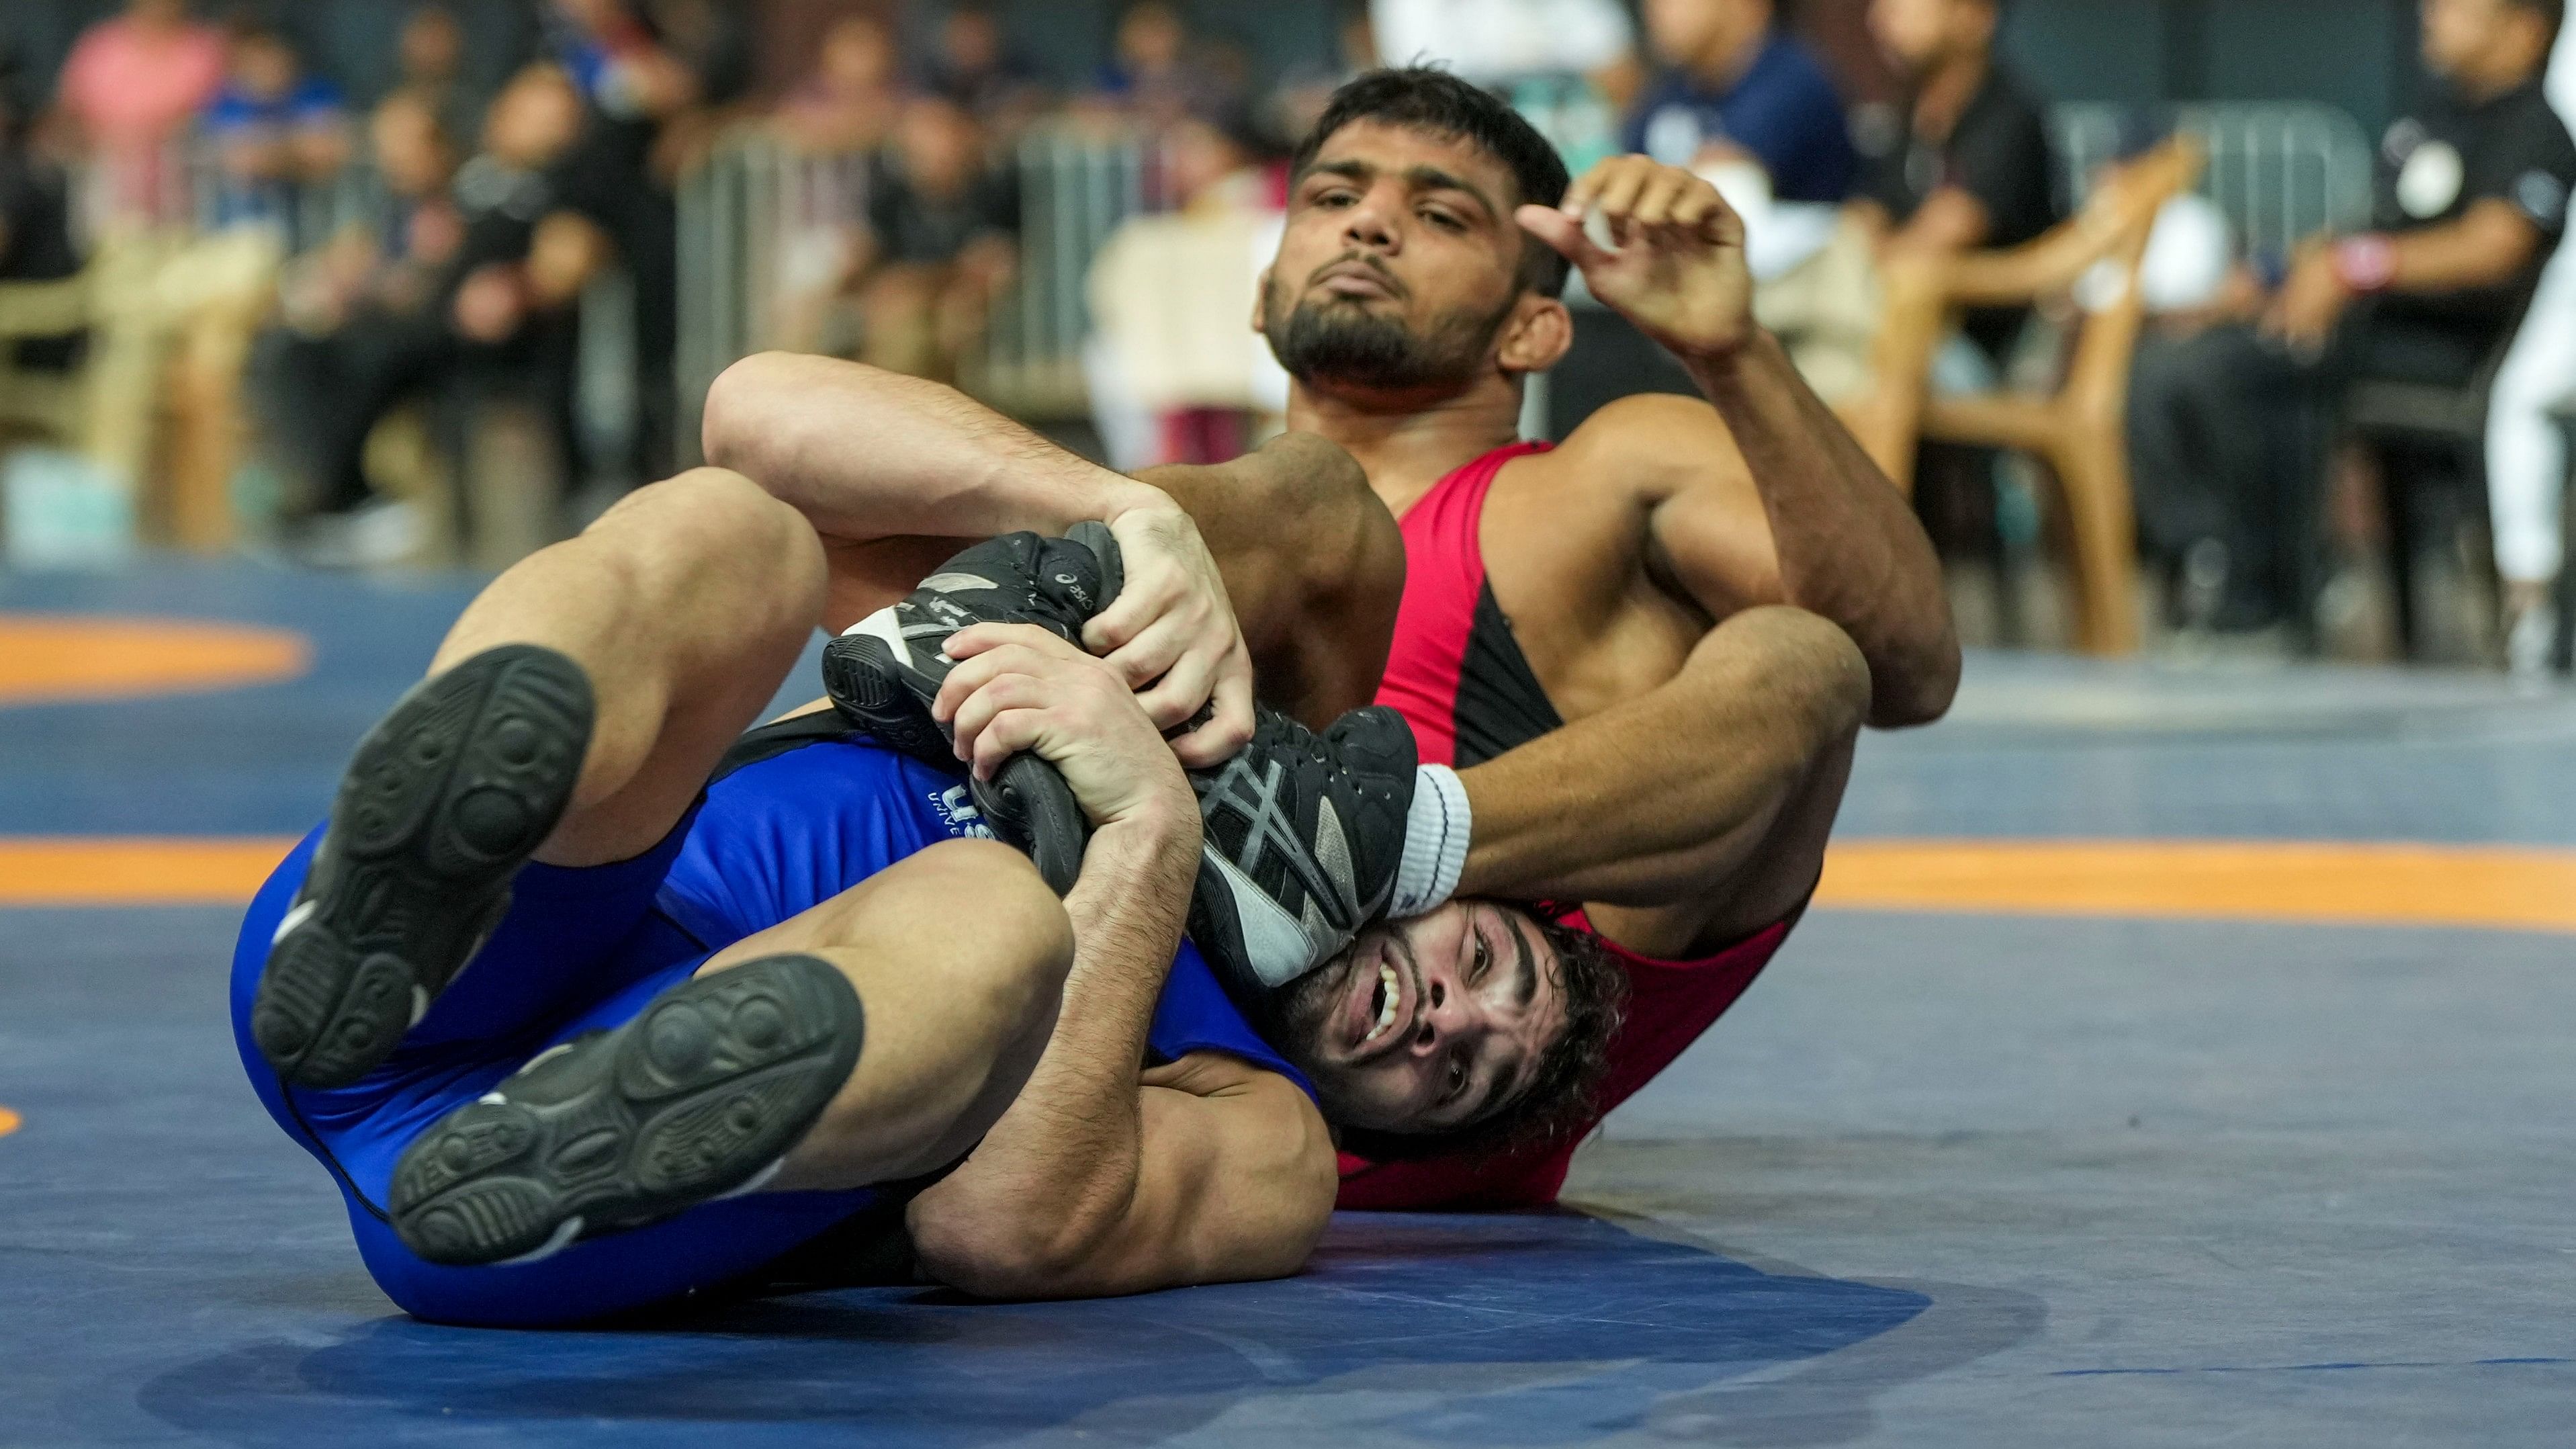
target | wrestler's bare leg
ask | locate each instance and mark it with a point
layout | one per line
(1313, 562)
(959, 1006)
(686, 604)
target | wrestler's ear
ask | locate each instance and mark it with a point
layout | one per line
(1260, 302)
(1537, 335)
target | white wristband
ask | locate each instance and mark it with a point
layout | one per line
(1435, 842)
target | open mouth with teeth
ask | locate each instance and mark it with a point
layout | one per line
(1380, 1001)
(1389, 995)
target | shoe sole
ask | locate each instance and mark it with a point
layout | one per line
(445, 799)
(699, 1098)
(876, 691)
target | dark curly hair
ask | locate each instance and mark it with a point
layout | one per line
(1430, 99)
(1563, 1095)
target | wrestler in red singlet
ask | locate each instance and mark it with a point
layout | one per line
(1456, 673)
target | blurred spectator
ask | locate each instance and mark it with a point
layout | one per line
(462, 274)
(838, 116)
(2527, 458)
(1298, 101)
(1493, 42)
(972, 64)
(2472, 200)
(35, 227)
(943, 242)
(131, 87)
(1963, 161)
(430, 56)
(1735, 86)
(850, 101)
(274, 130)
(1158, 73)
(1739, 100)
(1174, 375)
(655, 76)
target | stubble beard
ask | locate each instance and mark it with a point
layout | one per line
(1335, 342)
(1294, 1017)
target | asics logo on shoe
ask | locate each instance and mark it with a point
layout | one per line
(1255, 801)
(1277, 946)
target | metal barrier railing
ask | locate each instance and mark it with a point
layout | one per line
(2281, 173)
(754, 215)
(184, 188)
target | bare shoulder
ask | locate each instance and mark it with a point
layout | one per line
(1650, 445)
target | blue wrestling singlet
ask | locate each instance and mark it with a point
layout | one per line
(801, 811)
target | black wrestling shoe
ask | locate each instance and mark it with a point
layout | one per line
(884, 671)
(444, 801)
(699, 1098)
(1304, 835)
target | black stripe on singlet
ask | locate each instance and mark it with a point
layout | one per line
(770, 741)
(1501, 704)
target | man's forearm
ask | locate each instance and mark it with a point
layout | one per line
(1850, 548)
(1675, 787)
(2490, 246)
(868, 454)
(1062, 1162)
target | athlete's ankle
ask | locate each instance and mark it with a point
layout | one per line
(1436, 836)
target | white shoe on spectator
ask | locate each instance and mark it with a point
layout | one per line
(2527, 648)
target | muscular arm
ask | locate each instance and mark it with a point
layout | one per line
(1848, 544)
(894, 472)
(1705, 801)
(867, 454)
(1090, 1184)
(1844, 542)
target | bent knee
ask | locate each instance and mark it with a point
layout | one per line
(1347, 546)
(715, 526)
(1813, 664)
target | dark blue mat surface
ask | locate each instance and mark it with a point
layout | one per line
(1938, 1181)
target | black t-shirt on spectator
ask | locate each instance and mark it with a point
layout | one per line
(1997, 153)
(913, 226)
(36, 244)
(2451, 155)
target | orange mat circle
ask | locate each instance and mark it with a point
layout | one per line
(58, 658)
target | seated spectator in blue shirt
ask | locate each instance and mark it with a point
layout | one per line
(274, 129)
(1737, 86)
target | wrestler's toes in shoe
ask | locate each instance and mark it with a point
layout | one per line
(1304, 836)
(699, 1098)
(885, 671)
(445, 799)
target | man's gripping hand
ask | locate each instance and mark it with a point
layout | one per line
(1017, 687)
(1171, 632)
(1675, 262)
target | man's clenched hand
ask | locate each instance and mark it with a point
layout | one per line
(1171, 632)
(1018, 687)
(1675, 265)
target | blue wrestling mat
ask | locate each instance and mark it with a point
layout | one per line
(2045, 1129)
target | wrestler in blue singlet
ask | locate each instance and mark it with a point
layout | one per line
(799, 812)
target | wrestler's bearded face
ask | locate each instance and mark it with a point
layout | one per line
(1352, 337)
(1399, 269)
(1425, 1025)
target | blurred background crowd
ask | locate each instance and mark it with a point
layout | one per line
(2221, 327)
